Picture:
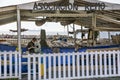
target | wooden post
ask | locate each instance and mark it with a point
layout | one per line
(81, 34)
(93, 27)
(109, 36)
(19, 39)
(68, 30)
(74, 34)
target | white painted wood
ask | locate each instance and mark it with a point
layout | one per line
(68, 65)
(91, 57)
(16, 64)
(10, 64)
(29, 67)
(0, 64)
(114, 63)
(73, 64)
(44, 62)
(110, 72)
(64, 66)
(19, 54)
(87, 64)
(34, 68)
(83, 69)
(78, 65)
(96, 64)
(100, 55)
(54, 58)
(39, 67)
(19, 39)
(118, 52)
(105, 63)
(5, 65)
(59, 66)
(49, 59)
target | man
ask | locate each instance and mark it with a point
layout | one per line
(31, 46)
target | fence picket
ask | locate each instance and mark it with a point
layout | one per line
(105, 64)
(73, 65)
(69, 65)
(49, 67)
(29, 67)
(110, 73)
(114, 63)
(83, 69)
(96, 64)
(0, 65)
(64, 66)
(78, 65)
(34, 67)
(100, 55)
(59, 66)
(87, 64)
(5, 65)
(39, 67)
(16, 64)
(10, 64)
(54, 58)
(117, 66)
(44, 62)
(92, 72)
(118, 52)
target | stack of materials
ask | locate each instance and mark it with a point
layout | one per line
(116, 39)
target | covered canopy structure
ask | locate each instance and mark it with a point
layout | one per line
(92, 14)
(107, 19)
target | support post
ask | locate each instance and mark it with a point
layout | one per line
(93, 27)
(68, 30)
(19, 39)
(109, 36)
(81, 34)
(74, 34)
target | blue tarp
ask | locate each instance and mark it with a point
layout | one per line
(49, 50)
(5, 47)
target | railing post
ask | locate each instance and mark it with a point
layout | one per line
(10, 59)
(105, 63)
(118, 62)
(110, 69)
(114, 64)
(39, 67)
(34, 67)
(5, 65)
(0, 65)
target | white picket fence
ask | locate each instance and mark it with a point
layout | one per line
(67, 66)
(10, 65)
(62, 66)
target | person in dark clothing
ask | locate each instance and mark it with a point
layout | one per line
(31, 46)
